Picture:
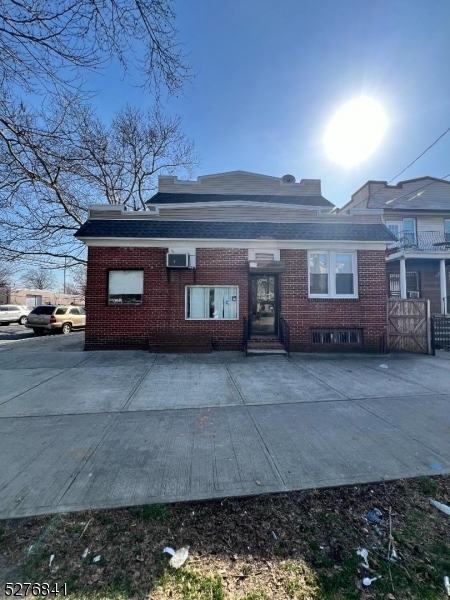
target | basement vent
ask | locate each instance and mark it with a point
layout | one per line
(264, 256)
(337, 337)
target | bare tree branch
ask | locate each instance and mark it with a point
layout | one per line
(6, 273)
(55, 162)
(77, 285)
(55, 42)
(38, 279)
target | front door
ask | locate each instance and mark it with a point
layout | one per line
(263, 305)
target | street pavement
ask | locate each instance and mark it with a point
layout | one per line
(81, 430)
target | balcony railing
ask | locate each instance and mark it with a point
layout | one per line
(431, 241)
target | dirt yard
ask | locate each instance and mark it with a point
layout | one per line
(288, 546)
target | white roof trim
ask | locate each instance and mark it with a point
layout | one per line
(436, 254)
(228, 243)
(244, 203)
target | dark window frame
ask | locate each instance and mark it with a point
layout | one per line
(121, 304)
(410, 293)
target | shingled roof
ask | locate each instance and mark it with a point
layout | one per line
(147, 229)
(166, 198)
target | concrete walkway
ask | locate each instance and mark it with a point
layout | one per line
(85, 430)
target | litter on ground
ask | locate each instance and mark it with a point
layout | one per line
(442, 507)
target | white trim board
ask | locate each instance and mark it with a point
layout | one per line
(241, 244)
(436, 255)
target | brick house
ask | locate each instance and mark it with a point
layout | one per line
(233, 256)
(417, 212)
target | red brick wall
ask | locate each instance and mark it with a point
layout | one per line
(163, 310)
(429, 279)
(368, 312)
(162, 314)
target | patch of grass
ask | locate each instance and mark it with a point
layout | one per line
(255, 595)
(71, 583)
(155, 512)
(104, 518)
(32, 565)
(319, 558)
(292, 586)
(340, 583)
(122, 584)
(2, 532)
(192, 586)
(280, 548)
(428, 486)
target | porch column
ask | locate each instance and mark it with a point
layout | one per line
(443, 281)
(403, 278)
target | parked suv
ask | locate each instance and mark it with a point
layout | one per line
(13, 313)
(56, 318)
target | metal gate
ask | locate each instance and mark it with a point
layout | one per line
(440, 333)
(409, 326)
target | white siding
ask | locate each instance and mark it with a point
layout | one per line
(424, 222)
(246, 212)
(420, 195)
(414, 195)
(235, 213)
(239, 182)
(360, 198)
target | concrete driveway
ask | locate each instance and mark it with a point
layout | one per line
(85, 430)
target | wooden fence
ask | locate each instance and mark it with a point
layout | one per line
(409, 326)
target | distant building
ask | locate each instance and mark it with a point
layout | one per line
(417, 212)
(28, 297)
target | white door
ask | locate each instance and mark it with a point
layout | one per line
(33, 301)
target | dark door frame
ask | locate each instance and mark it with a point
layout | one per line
(277, 303)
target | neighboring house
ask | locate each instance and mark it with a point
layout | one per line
(32, 298)
(235, 254)
(417, 211)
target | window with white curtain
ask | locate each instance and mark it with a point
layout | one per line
(332, 275)
(211, 302)
(125, 287)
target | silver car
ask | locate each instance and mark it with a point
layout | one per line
(13, 313)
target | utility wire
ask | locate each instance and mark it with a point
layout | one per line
(420, 155)
(416, 190)
(401, 172)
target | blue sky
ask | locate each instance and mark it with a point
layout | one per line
(269, 75)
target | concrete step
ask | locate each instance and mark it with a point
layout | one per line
(265, 346)
(256, 351)
(264, 341)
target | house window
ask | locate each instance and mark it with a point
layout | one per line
(332, 275)
(447, 230)
(409, 231)
(125, 288)
(412, 285)
(394, 227)
(205, 302)
(404, 230)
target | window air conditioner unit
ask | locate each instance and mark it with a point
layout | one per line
(177, 261)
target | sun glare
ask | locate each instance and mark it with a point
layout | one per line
(355, 131)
